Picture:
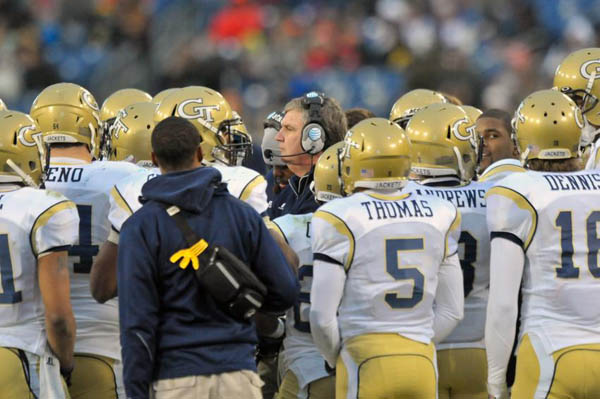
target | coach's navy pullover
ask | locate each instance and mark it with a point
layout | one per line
(170, 327)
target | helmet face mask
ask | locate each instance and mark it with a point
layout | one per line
(234, 143)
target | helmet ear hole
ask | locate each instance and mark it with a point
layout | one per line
(15, 138)
(32, 165)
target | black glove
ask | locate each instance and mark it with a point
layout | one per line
(66, 375)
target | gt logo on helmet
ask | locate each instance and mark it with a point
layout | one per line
(28, 140)
(197, 112)
(586, 73)
(89, 100)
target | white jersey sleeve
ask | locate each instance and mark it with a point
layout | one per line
(56, 228)
(510, 215)
(48, 223)
(245, 184)
(124, 197)
(332, 241)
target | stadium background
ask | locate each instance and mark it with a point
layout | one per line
(261, 53)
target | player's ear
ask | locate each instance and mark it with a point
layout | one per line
(199, 154)
(154, 159)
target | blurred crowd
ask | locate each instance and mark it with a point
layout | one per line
(259, 53)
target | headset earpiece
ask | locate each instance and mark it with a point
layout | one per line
(313, 133)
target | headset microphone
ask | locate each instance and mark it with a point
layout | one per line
(270, 154)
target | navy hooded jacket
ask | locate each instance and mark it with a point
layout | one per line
(170, 327)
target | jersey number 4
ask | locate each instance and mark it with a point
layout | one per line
(564, 221)
(85, 250)
(8, 295)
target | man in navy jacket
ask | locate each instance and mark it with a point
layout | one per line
(175, 339)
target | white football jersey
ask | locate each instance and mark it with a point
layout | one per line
(32, 222)
(500, 169)
(300, 353)
(555, 218)
(245, 184)
(392, 247)
(124, 197)
(89, 185)
(474, 254)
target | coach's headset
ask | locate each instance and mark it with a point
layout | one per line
(313, 132)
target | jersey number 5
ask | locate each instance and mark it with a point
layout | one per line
(392, 249)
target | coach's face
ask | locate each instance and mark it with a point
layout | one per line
(290, 136)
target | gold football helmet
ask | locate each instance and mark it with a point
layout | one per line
(376, 155)
(409, 103)
(548, 126)
(444, 142)
(119, 100)
(2, 105)
(472, 112)
(68, 113)
(131, 133)
(212, 115)
(163, 94)
(110, 110)
(20, 145)
(327, 180)
(577, 76)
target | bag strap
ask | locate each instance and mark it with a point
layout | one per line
(177, 215)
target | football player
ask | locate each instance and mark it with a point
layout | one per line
(304, 373)
(544, 231)
(381, 259)
(444, 155)
(577, 76)
(224, 143)
(37, 328)
(499, 153)
(129, 141)
(409, 103)
(110, 110)
(67, 115)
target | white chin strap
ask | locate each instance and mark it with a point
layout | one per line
(588, 133)
(524, 156)
(24, 176)
(461, 166)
